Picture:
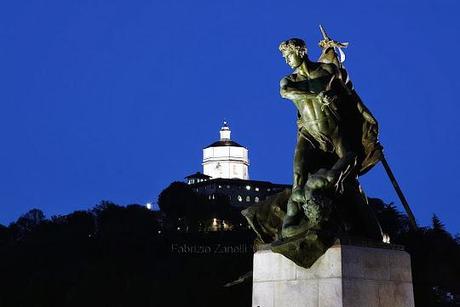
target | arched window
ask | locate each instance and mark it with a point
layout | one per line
(256, 199)
(240, 198)
(248, 198)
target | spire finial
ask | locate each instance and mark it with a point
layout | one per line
(225, 131)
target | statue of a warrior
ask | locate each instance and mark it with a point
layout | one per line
(337, 140)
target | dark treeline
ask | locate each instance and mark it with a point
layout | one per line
(131, 256)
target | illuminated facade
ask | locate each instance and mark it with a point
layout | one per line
(226, 158)
(226, 174)
(238, 192)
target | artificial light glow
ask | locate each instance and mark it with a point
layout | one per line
(386, 238)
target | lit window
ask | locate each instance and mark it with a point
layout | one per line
(268, 190)
(220, 187)
(213, 197)
(257, 189)
(248, 187)
(209, 197)
(228, 187)
(240, 198)
(248, 199)
(256, 199)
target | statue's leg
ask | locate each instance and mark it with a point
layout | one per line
(345, 165)
(335, 175)
(304, 153)
(366, 222)
(302, 150)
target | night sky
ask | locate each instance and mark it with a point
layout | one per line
(114, 100)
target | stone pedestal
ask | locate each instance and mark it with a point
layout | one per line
(346, 275)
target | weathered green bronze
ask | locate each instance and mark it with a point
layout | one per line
(337, 140)
(329, 148)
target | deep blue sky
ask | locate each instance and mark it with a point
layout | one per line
(113, 100)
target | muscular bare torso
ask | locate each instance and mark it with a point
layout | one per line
(316, 116)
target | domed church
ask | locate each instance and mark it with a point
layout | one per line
(226, 172)
(225, 158)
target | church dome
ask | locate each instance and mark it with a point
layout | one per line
(224, 138)
(224, 143)
(226, 158)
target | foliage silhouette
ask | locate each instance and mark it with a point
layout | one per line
(191, 211)
(434, 256)
(125, 256)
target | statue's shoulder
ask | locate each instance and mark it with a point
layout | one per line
(284, 82)
(292, 77)
(287, 80)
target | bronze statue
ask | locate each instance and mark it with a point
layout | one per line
(329, 147)
(337, 140)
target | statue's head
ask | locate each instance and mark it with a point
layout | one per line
(294, 51)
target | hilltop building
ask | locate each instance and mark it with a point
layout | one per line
(226, 172)
(226, 158)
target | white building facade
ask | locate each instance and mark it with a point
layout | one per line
(226, 158)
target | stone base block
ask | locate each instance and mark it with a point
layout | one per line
(346, 275)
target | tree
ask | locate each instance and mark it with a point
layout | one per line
(27, 222)
(437, 225)
(134, 220)
(177, 200)
(3, 234)
(393, 222)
